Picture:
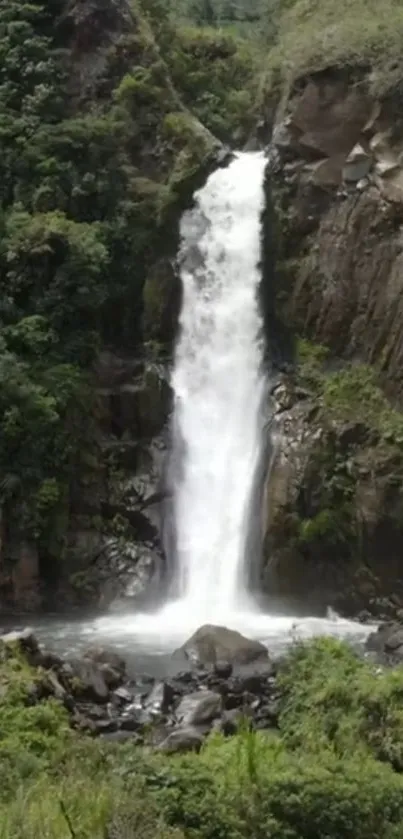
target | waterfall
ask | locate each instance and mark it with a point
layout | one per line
(219, 385)
(218, 430)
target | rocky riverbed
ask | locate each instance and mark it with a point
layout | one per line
(221, 678)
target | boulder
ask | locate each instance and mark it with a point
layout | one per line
(182, 740)
(23, 638)
(223, 669)
(122, 695)
(104, 655)
(199, 708)
(210, 644)
(387, 641)
(87, 680)
(357, 165)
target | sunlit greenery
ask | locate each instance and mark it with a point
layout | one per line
(332, 770)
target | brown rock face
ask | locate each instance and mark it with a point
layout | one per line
(329, 115)
(338, 182)
(333, 513)
(348, 291)
(20, 578)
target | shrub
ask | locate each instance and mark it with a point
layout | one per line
(333, 699)
(251, 786)
(314, 34)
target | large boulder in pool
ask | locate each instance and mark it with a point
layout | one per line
(211, 644)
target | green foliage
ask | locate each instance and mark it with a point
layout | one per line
(338, 702)
(354, 393)
(252, 786)
(314, 34)
(311, 359)
(32, 736)
(84, 189)
(218, 76)
(351, 394)
(329, 773)
(327, 524)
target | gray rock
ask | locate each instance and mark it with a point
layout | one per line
(58, 691)
(356, 172)
(387, 642)
(223, 669)
(357, 165)
(394, 641)
(122, 736)
(216, 643)
(230, 722)
(24, 638)
(182, 740)
(160, 698)
(199, 708)
(113, 678)
(88, 681)
(104, 655)
(46, 659)
(130, 722)
(122, 694)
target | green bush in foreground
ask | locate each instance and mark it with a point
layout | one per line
(334, 700)
(328, 774)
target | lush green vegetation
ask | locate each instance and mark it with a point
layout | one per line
(314, 34)
(91, 186)
(332, 770)
(309, 35)
(349, 394)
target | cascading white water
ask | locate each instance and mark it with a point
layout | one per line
(219, 385)
(219, 388)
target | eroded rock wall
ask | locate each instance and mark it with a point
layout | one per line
(332, 511)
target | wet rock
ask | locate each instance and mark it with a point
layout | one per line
(199, 708)
(210, 644)
(105, 726)
(394, 641)
(88, 681)
(57, 690)
(182, 740)
(387, 642)
(106, 656)
(24, 638)
(130, 722)
(230, 722)
(131, 719)
(160, 699)
(357, 165)
(122, 695)
(113, 678)
(46, 659)
(122, 736)
(223, 669)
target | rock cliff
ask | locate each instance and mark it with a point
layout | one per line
(333, 523)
